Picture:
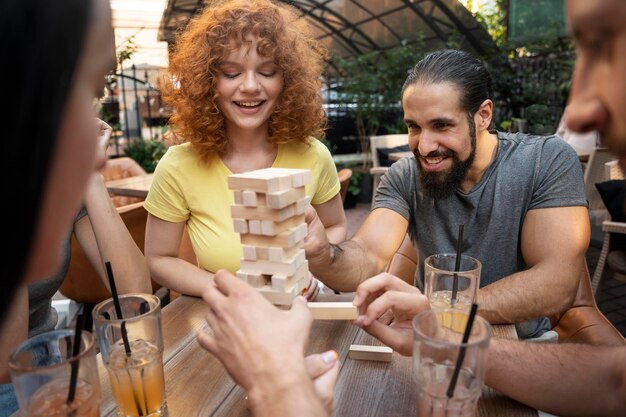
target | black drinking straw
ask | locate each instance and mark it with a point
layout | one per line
(459, 359)
(78, 334)
(118, 307)
(457, 265)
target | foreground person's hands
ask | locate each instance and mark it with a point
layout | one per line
(262, 348)
(386, 293)
(323, 368)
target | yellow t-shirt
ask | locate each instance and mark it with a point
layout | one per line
(186, 190)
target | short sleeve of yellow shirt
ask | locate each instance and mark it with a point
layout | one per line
(185, 189)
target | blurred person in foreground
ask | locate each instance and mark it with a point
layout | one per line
(568, 380)
(102, 236)
(53, 74)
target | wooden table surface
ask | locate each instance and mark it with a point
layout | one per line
(137, 186)
(198, 385)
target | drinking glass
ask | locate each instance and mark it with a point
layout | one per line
(439, 277)
(436, 349)
(41, 370)
(135, 365)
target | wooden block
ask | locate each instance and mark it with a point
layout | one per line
(286, 268)
(249, 198)
(262, 212)
(278, 297)
(286, 297)
(240, 226)
(344, 310)
(281, 282)
(267, 180)
(255, 279)
(274, 254)
(272, 228)
(370, 353)
(280, 254)
(301, 179)
(301, 205)
(284, 198)
(254, 227)
(238, 196)
(286, 239)
(249, 253)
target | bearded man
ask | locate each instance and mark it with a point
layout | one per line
(520, 198)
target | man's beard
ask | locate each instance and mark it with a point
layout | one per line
(439, 185)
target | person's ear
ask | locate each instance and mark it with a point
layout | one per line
(484, 115)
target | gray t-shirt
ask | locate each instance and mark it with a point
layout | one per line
(529, 172)
(42, 317)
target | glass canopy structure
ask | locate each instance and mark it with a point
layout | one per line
(353, 27)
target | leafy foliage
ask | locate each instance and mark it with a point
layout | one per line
(147, 153)
(370, 85)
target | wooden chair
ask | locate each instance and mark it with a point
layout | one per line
(581, 323)
(119, 168)
(344, 180)
(82, 283)
(594, 173)
(379, 142)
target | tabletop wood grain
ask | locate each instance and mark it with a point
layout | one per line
(198, 385)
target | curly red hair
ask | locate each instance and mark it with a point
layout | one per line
(281, 34)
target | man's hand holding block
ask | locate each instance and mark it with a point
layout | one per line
(333, 310)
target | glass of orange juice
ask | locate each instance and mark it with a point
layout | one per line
(440, 276)
(132, 352)
(41, 370)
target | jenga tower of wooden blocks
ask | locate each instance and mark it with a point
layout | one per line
(269, 215)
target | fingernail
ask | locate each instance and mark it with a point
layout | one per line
(330, 356)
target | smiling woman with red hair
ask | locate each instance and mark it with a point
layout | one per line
(247, 95)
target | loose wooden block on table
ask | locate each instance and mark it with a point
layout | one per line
(333, 311)
(370, 353)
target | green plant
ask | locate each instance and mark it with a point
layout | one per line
(147, 153)
(370, 84)
(354, 187)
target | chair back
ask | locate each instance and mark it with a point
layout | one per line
(118, 168)
(594, 173)
(403, 264)
(385, 141)
(581, 323)
(344, 180)
(82, 283)
(612, 171)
